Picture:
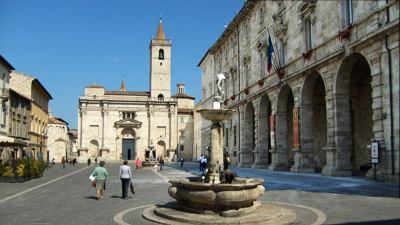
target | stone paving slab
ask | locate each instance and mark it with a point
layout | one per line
(70, 200)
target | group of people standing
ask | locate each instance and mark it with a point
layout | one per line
(64, 160)
(100, 175)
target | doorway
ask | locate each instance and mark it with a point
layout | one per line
(128, 149)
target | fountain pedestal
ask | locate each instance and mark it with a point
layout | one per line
(216, 154)
(216, 162)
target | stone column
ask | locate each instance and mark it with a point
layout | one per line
(149, 127)
(216, 154)
(302, 161)
(338, 158)
(102, 128)
(274, 153)
(244, 155)
(262, 141)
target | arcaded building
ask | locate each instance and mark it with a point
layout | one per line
(332, 91)
(124, 124)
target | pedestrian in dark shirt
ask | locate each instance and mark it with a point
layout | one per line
(89, 161)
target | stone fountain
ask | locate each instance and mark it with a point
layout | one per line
(212, 200)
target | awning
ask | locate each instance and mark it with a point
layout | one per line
(9, 141)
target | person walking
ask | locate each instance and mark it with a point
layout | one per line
(89, 161)
(63, 161)
(95, 160)
(181, 160)
(125, 175)
(138, 163)
(204, 163)
(201, 162)
(161, 163)
(100, 174)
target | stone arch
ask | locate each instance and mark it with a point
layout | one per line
(128, 144)
(354, 124)
(249, 134)
(264, 135)
(161, 54)
(284, 128)
(314, 120)
(128, 133)
(93, 150)
(161, 149)
(160, 97)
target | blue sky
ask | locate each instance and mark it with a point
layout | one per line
(68, 44)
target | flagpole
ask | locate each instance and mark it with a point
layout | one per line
(272, 58)
(277, 53)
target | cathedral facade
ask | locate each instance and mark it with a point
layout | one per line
(115, 125)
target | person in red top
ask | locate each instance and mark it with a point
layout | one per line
(138, 163)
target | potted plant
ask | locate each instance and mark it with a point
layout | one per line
(260, 82)
(7, 174)
(246, 91)
(345, 34)
(307, 55)
(281, 73)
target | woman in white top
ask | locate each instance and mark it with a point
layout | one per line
(125, 175)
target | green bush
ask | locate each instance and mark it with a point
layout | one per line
(1, 169)
(26, 167)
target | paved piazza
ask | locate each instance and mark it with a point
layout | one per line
(64, 196)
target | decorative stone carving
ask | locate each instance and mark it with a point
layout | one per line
(279, 27)
(246, 60)
(306, 8)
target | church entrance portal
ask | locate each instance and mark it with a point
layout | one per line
(128, 149)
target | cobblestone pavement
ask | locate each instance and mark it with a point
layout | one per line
(64, 196)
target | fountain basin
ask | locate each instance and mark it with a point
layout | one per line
(216, 115)
(238, 198)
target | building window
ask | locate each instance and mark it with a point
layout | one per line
(160, 97)
(282, 47)
(233, 84)
(128, 115)
(234, 136)
(262, 64)
(247, 75)
(182, 120)
(347, 13)
(308, 34)
(161, 54)
(226, 137)
(181, 148)
(261, 14)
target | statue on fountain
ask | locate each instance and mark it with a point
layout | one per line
(220, 78)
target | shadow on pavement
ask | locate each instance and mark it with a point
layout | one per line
(91, 197)
(309, 182)
(377, 222)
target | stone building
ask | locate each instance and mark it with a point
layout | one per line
(332, 91)
(14, 116)
(19, 124)
(125, 124)
(5, 69)
(33, 89)
(73, 143)
(58, 139)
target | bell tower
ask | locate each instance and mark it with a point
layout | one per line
(160, 65)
